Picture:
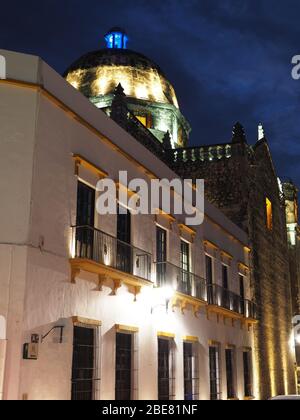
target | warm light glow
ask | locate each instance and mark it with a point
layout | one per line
(142, 119)
(269, 211)
(141, 92)
(166, 292)
(143, 84)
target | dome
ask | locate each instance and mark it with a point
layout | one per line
(150, 97)
(98, 73)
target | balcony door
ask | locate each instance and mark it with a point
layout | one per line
(124, 253)
(209, 278)
(185, 286)
(225, 288)
(85, 221)
(161, 256)
(242, 294)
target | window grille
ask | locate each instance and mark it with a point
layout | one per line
(86, 363)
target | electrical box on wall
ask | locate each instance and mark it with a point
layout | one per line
(30, 351)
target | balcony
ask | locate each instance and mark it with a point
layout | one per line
(222, 300)
(182, 281)
(97, 252)
(214, 297)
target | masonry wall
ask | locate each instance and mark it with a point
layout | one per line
(239, 187)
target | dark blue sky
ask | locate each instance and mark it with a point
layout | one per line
(228, 60)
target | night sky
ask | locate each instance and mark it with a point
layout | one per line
(228, 60)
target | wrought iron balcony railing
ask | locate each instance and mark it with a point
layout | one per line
(183, 281)
(93, 244)
(224, 298)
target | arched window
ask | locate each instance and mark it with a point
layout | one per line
(2, 328)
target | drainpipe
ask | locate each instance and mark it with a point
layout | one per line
(3, 344)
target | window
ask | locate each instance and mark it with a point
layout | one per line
(225, 288)
(161, 256)
(85, 219)
(230, 375)
(84, 378)
(191, 377)
(225, 277)
(209, 278)
(214, 372)
(209, 269)
(124, 356)
(145, 120)
(247, 373)
(166, 380)
(124, 250)
(185, 286)
(269, 212)
(242, 294)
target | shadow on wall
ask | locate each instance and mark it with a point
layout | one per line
(2, 328)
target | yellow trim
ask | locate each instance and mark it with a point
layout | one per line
(78, 265)
(247, 349)
(230, 347)
(187, 229)
(81, 161)
(226, 254)
(243, 266)
(126, 328)
(129, 192)
(103, 138)
(249, 398)
(190, 339)
(213, 343)
(211, 244)
(164, 214)
(165, 335)
(86, 321)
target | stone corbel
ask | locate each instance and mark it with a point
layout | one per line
(137, 291)
(116, 286)
(75, 271)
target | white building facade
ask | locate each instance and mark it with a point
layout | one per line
(82, 309)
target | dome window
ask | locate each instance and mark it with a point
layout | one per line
(116, 38)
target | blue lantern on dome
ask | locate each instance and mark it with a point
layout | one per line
(116, 38)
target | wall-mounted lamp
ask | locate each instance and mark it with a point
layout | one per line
(165, 294)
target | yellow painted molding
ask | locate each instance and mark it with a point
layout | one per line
(86, 321)
(81, 161)
(243, 266)
(249, 398)
(213, 343)
(119, 277)
(190, 339)
(126, 328)
(129, 192)
(247, 349)
(211, 244)
(164, 214)
(165, 335)
(188, 229)
(230, 347)
(226, 254)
